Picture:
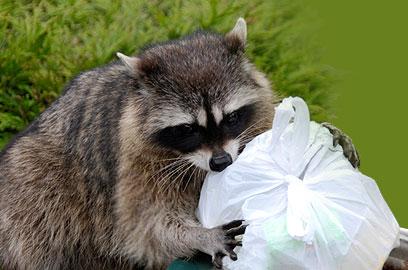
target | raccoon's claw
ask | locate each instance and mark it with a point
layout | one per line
(217, 258)
(223, 241)
(339, 137)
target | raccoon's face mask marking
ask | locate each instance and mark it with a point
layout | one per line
(212, 145)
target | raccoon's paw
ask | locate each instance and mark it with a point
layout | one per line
(221, 241)
(398, 259)
(349, 150)
(395, 264)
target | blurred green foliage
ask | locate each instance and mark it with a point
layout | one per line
(43, 44)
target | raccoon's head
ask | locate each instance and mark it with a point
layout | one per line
(202, 98)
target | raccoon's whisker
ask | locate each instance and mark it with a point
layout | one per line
(168, 159)
(161, 170)
(168, 177)
(170, 165)
(261, 120)
(188, 181)
(250, 127)
(204, 174)
(164, 178)
(174, 180)
(253, 126)
(244, 141)
(201, 173)
(165, 171)
(250, 135)
(253, 131)
(196, 174)
(182, 175)
(199, 176)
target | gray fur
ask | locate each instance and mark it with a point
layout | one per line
(86, 187)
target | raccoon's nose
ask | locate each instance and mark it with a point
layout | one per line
(219, 162)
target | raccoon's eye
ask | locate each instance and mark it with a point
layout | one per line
(232, 118)
(184, 138)
(235, 122)
(184, 130)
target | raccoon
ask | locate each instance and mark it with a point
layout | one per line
(108, 177)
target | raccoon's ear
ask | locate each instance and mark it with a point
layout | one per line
(132, 63)
(236, 38)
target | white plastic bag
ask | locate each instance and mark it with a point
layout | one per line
(307, 207)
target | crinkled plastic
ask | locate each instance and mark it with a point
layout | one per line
(307, 207)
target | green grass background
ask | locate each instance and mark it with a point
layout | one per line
(43, 44)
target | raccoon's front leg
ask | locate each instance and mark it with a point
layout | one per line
(339, 137)
(184, 241)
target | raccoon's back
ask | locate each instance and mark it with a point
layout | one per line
(82, 124)
(57, 176)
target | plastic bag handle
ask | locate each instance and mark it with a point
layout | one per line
(292, 108)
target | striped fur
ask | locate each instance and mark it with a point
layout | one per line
(83, 187)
